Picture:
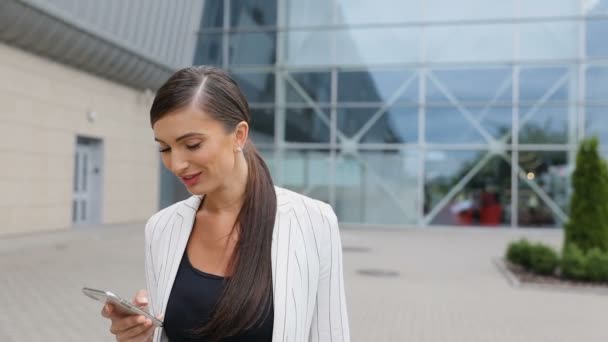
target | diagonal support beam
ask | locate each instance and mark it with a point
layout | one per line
(318, 111)
(457, 188)
(467, 115)
(378, 114)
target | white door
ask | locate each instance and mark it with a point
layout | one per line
(85, 204)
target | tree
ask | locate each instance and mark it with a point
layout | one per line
(588, 224)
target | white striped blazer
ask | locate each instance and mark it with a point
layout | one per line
(308, 282)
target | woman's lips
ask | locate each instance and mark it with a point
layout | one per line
(190, 180)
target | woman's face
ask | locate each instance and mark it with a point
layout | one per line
(197, 148)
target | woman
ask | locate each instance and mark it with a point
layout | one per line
(240, 260)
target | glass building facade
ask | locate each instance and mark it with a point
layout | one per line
(419, 112)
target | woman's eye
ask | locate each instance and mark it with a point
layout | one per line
(193, 147)
(164, 150)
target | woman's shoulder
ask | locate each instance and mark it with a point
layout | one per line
(165, 215)
(289, 201)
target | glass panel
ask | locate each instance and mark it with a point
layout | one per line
(309, 13)
(305, 125)
(470, 43)
(377, 187)
(548, 40)
(262, 125)
(208, 49)
(485, 200)
(550, 172)
(370, 46)
(597, 83)
(306, 172)
(396, 125)
(308, 47)
(268, 156)
(252, 48)
(213, 14)
(548, 8)
(597, 30)
(316, 85)
(442, 10)
(258, 87)
(597, 123)
(479, 86)
(377, 86)
(379, 11)
(448, 125)
(545, 83)
(248, 13)
(595, 7)
(544, 125)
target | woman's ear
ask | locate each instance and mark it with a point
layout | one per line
(240, 134)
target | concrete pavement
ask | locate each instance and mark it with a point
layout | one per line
(446, 289)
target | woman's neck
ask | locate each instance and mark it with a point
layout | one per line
(229, 197)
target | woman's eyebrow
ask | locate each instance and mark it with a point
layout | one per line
(185, 136)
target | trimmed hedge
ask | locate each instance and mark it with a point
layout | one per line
(574, 263)
(544, 259)
(537, 258)
(518, 253)
(597, 265)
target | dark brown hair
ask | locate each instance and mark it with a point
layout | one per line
(247, 296)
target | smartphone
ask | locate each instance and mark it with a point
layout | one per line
(121, 304)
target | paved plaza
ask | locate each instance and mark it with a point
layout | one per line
(444, 287)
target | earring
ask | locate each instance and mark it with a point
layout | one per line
(239, 149)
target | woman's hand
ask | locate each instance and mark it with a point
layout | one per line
(130, 328)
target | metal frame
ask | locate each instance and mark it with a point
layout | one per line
(423, 71)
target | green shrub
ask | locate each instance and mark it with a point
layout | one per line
(574, 263)
(588, 223)
(543, 259)
(597, 265)
(518, 253)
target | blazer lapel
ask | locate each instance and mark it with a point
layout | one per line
(177, 240)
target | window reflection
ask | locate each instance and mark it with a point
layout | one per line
(208, 49)
(378, 86)
(384, 11)
(374, 125)
(484, 200)
(377, 186)
(545, 84)
(248, 13)
(455, 43)
(543, 173)
(369, 46)
(442, 10)
(258, 87)
(213, 14)
(306, 172)
(597, 123)
(262, 125)
(597, 30)
(315, 85)
(548, 40)
(544, 125)
(597, 83)
(306, 125)
(252, 48)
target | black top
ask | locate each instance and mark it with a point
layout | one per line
(192, 298)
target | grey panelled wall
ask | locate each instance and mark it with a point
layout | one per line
(137, 42)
